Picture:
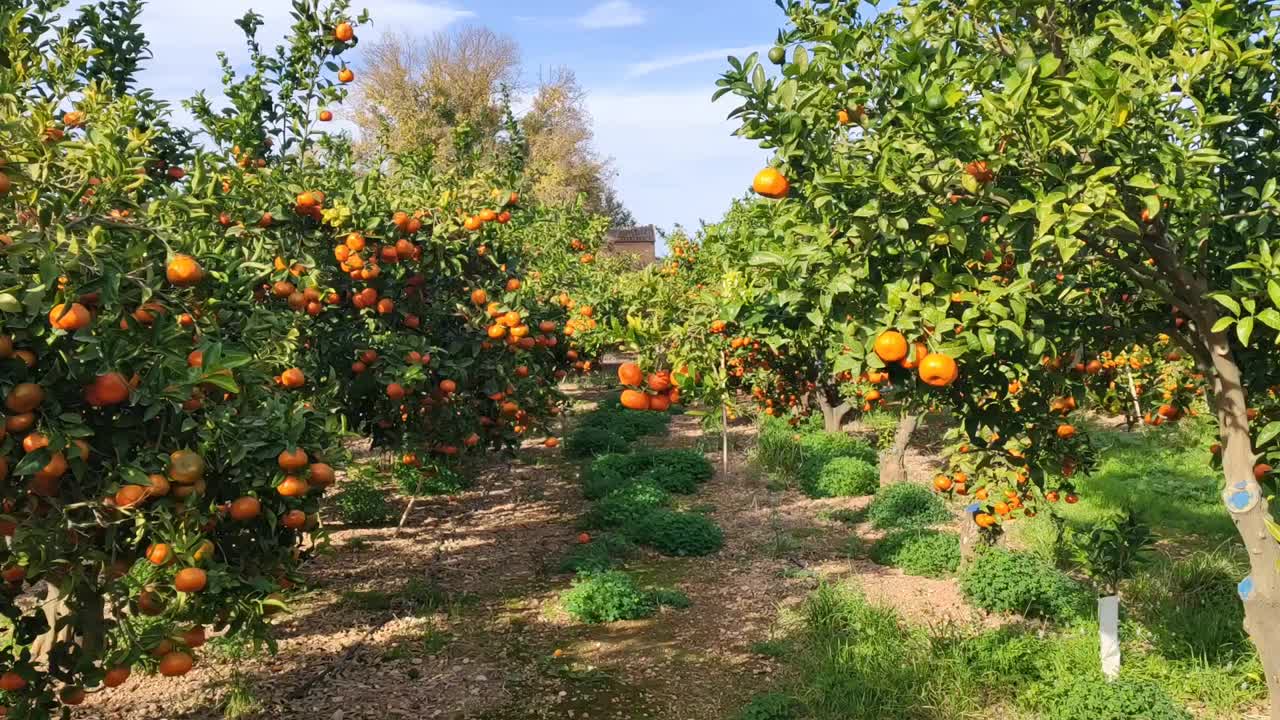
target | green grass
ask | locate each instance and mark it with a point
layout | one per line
(847, 659)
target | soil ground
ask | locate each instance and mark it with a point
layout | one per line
(457, 617)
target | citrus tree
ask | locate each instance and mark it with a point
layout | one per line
(146, 449)
(1026, 190)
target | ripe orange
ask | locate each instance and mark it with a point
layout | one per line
(479, 297)
(245, 508)
(24, 398)
(116, 676)
(472, 223)
(513, 284)
(293, 378)
(659, 403)
(984, 520)
(551, 442)
(891, 346)
(159, 554)
(158, 487)
(395, 391)
(942, 483)
(12, 682)
(130, 495)
(184, 271)
(322, 475)
(448, 387)
(292, 460)
(293, 486)
(106, 390)
(660, 381)
(584, 538)
(325, 116)
(185, 466)
(938, 370)
(1066, 432)
(294, 519)
(176, 664)
(630, 374)
(191, 580)
(344, 32)
(634, 400)
(771, 184)
(69, 318)
(346, 75)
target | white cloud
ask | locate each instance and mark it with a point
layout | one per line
(667, 63)
(612, 14)
(677, 159)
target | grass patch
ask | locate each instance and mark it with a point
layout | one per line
(240, 701)
(605, 552)
(361, 502)
(1014, 582)
(680, 534)
(928, 553)
(842, 477)
(614, 595)
(847, 659)
(904, 506)
(676, 471)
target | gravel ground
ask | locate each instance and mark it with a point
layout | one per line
(496, 646)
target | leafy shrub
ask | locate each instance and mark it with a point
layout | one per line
(676, 471)
(819, 448)
(919, 552)
(626, 505)
(428, 480)
(904, 506)
(678, 533)
(607, 597)
(673, 480)
(610, 472)
(590, 441)
(605, 552)
(669, 597)
(362, 502)
(778, 446)
(1091, 697)
(843, 477)
(770, 706)
(627, 424)
(1004, 581)
(884, 425)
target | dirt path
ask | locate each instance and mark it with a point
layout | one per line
(458, 617)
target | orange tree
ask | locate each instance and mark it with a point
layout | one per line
(1023, 187)
(145, 446)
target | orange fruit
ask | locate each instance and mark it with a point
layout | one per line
(245, 508)
(176, 664)
(448, 387)
(938, 370)
(106, 390)
(771, 184)
(942, 483)
(634, 400)
(159, 554)
(292, 460)
(24, 398)
(293, 486)
(69, 318)
(891, 346)
(185, 466)
(346, 75)
(12, 682)
(322, 475)
(130, 495)
(630, 374)
(479, 297)
(190, 580)
(116, 676)
(1066, 432)
(293, 378)
(344, 32)
(194, 637)
(325, 116)
(184, 271)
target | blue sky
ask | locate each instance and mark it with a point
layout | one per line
(649, 68)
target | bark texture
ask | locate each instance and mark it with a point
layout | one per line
(893, 462)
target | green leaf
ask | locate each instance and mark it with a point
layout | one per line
(1021, 206)
(1244, 329)
(1270, 317)
(1223, 323)
(1273, 290)
(1267, 434)
(1227, 302)
(767, 258)
(9, 303)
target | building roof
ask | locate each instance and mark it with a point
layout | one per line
(647, 234)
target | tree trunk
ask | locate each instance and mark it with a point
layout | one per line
(893, 462)
(832, 415)
(1248, 506)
